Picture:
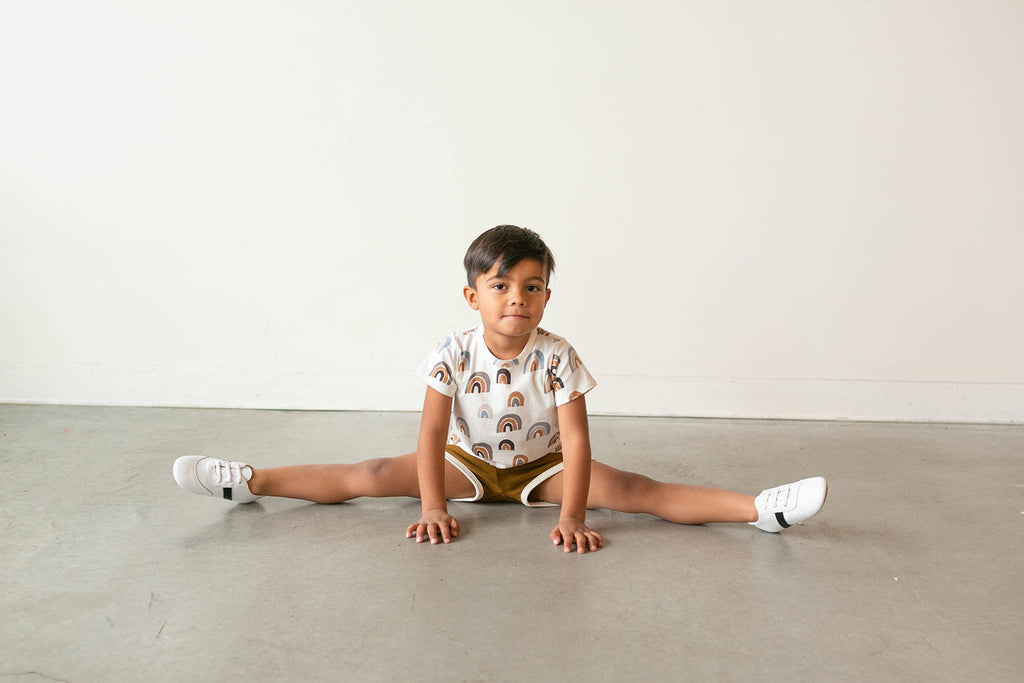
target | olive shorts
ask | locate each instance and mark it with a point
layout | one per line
(512, 484)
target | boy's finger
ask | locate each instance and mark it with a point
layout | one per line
(455, 527)
(445, 533)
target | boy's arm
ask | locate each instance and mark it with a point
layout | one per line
(435, 522)
(575, 435)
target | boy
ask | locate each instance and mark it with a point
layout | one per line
(505, 418)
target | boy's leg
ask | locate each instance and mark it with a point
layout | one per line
(377, 478)
(614, 489)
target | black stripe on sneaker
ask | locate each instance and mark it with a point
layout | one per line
(227, 495)
(778, 517)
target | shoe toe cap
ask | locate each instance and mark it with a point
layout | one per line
(813, 492)
(185, 473)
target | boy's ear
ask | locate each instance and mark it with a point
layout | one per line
(470, 295)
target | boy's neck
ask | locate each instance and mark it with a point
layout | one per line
(505, 348)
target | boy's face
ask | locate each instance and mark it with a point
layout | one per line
(511, 305)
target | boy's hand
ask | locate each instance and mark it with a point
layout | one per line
(571, 530)
(434, 524)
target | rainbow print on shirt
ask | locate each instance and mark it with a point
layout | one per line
(442, 373)
(479, 383)
(510, 423)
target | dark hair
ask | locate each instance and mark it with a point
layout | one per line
(508, 244)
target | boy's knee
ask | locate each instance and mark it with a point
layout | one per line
(375, 468)
(386, 477)
(375, 471)
(634, 488)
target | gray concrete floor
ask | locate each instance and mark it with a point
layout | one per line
(109, 571)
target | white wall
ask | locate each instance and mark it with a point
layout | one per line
(784, 209)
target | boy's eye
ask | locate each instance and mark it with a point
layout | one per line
(500, 287)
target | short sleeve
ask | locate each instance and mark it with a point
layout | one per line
(437, 369)
(568, 376)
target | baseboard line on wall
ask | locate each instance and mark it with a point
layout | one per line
(703, 397)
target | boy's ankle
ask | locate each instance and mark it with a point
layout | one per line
(255, 481)
(753, 515)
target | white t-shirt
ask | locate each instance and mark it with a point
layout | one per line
(506, 411)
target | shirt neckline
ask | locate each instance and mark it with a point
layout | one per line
(494, 360)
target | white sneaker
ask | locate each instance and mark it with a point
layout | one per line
(783, 506)
(213, 477)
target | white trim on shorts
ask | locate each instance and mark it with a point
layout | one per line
(538, 480)
(468, 473)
